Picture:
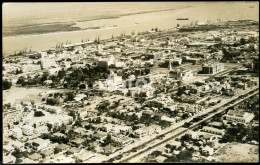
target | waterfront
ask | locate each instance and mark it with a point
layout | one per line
(137, 23)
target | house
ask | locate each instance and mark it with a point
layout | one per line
(100, 135)
(148, 130)
(216, 124)
(83, 156)
(139, 133)
(157, 128)
(160, 159)
(208, 151)
(62, 148)
(50, 119)
(40, 144)
(17, 144)
(77, 142)
(60, 158)
(108, 149)
(193, 134)
(213, 130)
(80, 131)
(27, 160)
(47, 153)
(171, 120)
(239, 116)
(46, 160)
(41, 130)
(124, 141)
(125, 129)
(9, 159)
(74, 150)
(8, 149)
(58, 134)
(17, 132)
(35, 157)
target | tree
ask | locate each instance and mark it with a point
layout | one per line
(242, 41)
(70, 96)
(108, 139)
(156, 153)
(82, 86)
(184, 155)
(52, 101)
(20, 80)
(17, 153)
(134, 117)
(186, 138)
(171, 159)
(38, 114)
(18, 71)
(6, 85)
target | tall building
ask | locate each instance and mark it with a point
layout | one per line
(212, 68)
(46, 62)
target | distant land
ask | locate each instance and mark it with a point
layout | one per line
(14, 27)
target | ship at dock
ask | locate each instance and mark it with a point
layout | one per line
(197, 28)
(182, 18)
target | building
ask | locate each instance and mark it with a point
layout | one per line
(47, 153)
(83, 156)
(17, 132)
(30, 68)
(213, 130)
(113, 82)
(62, 148)
(212, 68)
(40, 143)
(27, 130)
(208, 151)
(171, 120)
(106, 61)
(9, 159)
(124, 141)
(35, 157)
(181, 74)
(47, 62)
(239, 116)
(40, 130)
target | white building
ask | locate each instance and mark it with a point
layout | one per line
(17, 132)
(27, 130)
(239, 116)
(113, 82)
(181, 74)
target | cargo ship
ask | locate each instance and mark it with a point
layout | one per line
(182, 18)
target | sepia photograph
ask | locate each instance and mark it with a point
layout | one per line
(130, 82)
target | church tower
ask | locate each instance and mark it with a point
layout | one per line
(170, 65)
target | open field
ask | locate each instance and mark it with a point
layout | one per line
(237, 152)
(18, 94)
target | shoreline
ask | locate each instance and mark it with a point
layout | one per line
(72, 26)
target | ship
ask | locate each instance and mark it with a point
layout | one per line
(197, 28)
(182, 18)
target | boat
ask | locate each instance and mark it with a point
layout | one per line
(182, 18)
